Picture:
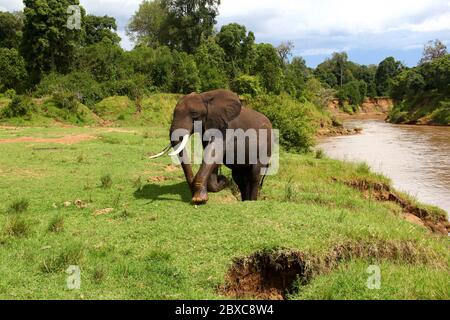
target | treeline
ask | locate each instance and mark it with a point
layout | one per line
(178, 50)
(423, 93)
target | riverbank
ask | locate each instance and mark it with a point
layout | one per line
(414, 157)
(127, 223)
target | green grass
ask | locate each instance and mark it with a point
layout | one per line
(156, 245)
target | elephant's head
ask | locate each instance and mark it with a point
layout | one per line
(215, 109)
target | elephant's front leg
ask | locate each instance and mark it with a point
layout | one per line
(200, 184)
(207, 169)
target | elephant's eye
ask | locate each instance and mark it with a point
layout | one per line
(195, 114)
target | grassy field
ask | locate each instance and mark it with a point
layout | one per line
(127, 222)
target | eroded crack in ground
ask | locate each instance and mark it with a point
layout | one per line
(273, 274)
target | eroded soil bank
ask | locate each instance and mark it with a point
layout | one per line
(433, 219)
(274, 274)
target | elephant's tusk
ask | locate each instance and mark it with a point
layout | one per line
(161, 153)
(180, 147)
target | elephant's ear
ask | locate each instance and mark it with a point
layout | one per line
(223, 106)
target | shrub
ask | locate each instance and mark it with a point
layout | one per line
(295, 120)
(186, 77)
(80, 84)
(20, 106)
(10, 93)
(66, 100)
(353, 91)
(12, 69)
(246, 84)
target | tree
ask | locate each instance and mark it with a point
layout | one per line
(188, 22)
(296, 75)
(238, 47)
(387, 70)
(97, 28)
(367, 74)
(433, 50)
(48, 45)
(148, 24)
(353, 91)
(285, 51)
(268, 67)
(12, 69)
(101, 59)
(185, 74)
(11, 25)
(336, 71)
(340, 60)
(210, 59)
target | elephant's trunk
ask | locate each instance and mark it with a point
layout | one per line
(179, 146)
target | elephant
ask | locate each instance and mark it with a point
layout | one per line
(222, 111)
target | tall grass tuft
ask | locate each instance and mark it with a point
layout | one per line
(56, 225)
(106, 182)
(19, 206)
(363, 168)
(16, 227)
(290, 193)
(70, 255)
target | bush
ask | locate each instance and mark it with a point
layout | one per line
(186, 77)
(10, 93)
(294, 120)
(353, 91)
(82, 85)
(246, 84)
(66, 100)
(12, 69)
(20, 106)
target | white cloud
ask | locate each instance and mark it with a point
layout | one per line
(316, 26)
(321, 51)
(289, 18)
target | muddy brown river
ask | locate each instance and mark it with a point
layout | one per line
(416, 158)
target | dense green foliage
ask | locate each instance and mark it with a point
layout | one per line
(178, 51)
(48, 45)
(423, 92)
(294, 119)
(12, 69)
(11, 25)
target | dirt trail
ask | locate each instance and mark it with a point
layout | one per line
(69, 139)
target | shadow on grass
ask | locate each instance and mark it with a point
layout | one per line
(156, 192)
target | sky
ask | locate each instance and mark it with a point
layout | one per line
(368, 31)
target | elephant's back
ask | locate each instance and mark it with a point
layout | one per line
(250, 119)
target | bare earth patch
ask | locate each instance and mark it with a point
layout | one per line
(70, 139)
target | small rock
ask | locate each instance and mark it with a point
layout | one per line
(67, 204)
(80, 204)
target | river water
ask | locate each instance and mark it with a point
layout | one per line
(416, 158)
